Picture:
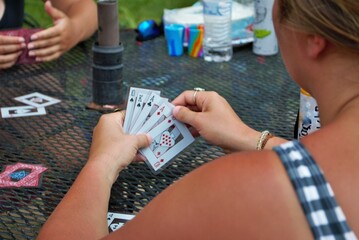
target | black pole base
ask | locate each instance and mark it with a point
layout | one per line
(107, 83)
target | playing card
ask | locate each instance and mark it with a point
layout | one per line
(21, 175)
(148, 112)
(170, 137)
(22, 111)
(164, 141)
(37, 100)
(24, 58)
(141, 99)
(131, 103)
(163, 111)
(117, 220)
(154, 101)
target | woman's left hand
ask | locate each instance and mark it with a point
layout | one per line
(52, 42)
(111, 147)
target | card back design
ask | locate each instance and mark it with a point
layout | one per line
(21, 175)
(24, 58)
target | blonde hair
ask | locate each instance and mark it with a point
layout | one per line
(335, 20)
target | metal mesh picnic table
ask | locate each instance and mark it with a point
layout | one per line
(258, 88)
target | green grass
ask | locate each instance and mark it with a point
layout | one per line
(131, 12)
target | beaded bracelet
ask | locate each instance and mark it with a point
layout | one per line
(263, 139)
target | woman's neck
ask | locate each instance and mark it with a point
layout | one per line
(336, 88)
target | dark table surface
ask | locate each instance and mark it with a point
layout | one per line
(258, 88)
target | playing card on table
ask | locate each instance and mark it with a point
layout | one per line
(117, 220)
(148, 112)
(22, 111)
(37, 100)
(21, 175)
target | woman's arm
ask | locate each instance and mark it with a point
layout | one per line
(82, 213)
(213, 118)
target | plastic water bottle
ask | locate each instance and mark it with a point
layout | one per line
(217, 43)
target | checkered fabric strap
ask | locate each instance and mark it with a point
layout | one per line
(326, 219)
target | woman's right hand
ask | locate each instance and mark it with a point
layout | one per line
(112, 148)
(214, 119)
(11, 48)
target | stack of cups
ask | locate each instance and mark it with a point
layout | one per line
(265, 40)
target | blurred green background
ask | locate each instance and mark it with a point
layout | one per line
(131, 12)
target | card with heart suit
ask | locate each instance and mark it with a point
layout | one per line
(163, 111)
(150, 113)
(170, 137)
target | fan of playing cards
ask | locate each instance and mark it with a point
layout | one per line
(148, 112)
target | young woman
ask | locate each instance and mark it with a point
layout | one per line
(291, 190)
(73, 21)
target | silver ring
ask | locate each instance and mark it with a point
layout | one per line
(196, 90)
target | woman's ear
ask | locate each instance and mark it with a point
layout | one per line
(315, 45)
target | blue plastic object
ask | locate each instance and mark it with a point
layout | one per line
(147, 30)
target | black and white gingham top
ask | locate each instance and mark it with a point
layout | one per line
(326, 219)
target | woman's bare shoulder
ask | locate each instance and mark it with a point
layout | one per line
(242, 194)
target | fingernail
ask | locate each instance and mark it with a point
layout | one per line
(30, 46)
(38, 59)
(33, 37)
(23, 45)
(31, 53)
(149, 137)
(21, 39)
(176, 110)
